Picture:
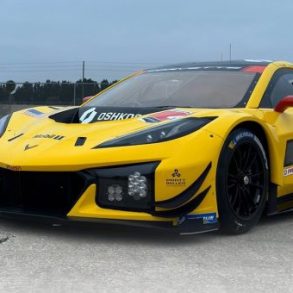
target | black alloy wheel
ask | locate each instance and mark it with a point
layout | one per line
(242, 181)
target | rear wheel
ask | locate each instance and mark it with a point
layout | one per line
(242, 182)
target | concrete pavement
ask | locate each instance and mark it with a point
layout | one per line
(38, 257)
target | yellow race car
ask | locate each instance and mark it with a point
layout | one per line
(193, 147)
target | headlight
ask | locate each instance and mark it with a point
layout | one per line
(160, 133)
(126, 187)
(3, 124)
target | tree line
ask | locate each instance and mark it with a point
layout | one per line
(50, 92)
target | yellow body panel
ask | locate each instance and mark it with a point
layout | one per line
(190, 154)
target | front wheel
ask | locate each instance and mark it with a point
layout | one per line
(242, 182)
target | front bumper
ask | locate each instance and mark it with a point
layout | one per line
(74, 195)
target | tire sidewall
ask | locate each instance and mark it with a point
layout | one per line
(229, 221)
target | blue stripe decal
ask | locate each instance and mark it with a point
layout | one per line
(210, 218)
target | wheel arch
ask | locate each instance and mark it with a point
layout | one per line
(259, 131)
(267, 134)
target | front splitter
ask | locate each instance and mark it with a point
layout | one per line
(187, 227)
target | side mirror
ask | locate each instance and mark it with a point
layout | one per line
(284, 103)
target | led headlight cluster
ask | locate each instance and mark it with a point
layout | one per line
(160, 133)
(115, 192)
(137, 186)
(127, 188)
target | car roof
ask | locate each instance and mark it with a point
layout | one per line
(213, 64)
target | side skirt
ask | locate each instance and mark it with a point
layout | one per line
(285, 203)
(277, 205)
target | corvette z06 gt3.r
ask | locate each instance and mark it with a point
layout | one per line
(194, 147)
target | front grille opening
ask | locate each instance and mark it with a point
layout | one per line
(50, 193)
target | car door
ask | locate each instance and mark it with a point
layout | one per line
(280, 86)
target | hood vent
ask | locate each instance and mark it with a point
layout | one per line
(80, 141)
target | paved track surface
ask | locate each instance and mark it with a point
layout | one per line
(105, 258)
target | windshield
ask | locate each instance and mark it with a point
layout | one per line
(197, 89)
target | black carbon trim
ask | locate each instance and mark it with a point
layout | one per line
(185, 209)
(285, 203)
(80, 141)
(15, 137)
(186, 228)
(187, 194)
(285, 198)
(289, 154)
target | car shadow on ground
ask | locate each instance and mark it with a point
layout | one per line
(279, 219)
(96, 232)
(93, 232)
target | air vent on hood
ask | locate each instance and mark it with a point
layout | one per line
(66, 116)
(80, 141)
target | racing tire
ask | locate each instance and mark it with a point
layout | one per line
(242, 182)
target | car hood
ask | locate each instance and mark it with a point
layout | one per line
(50, 132)
(92, 122)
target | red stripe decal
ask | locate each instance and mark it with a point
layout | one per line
(254, 69)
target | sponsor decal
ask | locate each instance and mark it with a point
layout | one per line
(34, 113)
(28, 147)
(232, 144)
(244, 134)
(13, 168)
(209, 218)
(88, 116)
(116, 116)
(288, 171)
(92, 115)
(166, 115)
(176, 173)
(176, 179)
(49, 136)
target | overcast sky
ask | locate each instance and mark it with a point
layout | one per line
(48, 39)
